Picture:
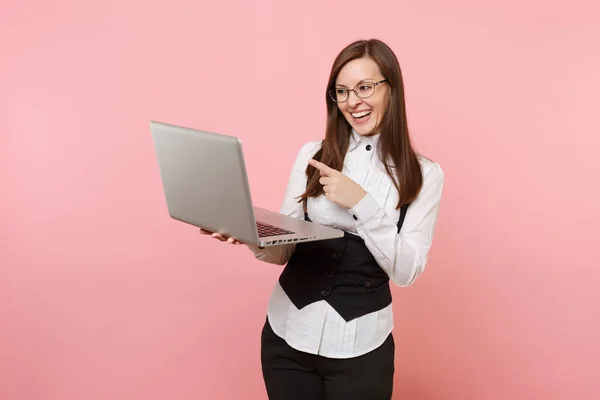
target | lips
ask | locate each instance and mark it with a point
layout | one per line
(361, 114)
(361, 117)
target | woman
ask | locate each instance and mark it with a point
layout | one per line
(328, 333)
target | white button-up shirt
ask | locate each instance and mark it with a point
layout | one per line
(318, 328)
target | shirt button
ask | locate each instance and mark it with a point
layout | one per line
(343, 239)
(368, 284)
(355, 217)
(324, 293)
(337, 255)
(369, 147)
(329, 274)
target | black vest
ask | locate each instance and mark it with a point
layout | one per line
(341, 271)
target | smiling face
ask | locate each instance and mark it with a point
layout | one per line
(365, 115)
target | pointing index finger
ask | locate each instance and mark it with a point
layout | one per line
(322, 167)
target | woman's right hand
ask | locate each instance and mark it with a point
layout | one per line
(220, 237)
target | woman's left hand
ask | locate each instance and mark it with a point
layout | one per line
(338, 187)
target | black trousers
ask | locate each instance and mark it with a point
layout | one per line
(290, 374)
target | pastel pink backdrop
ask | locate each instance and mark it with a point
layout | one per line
(102, 296)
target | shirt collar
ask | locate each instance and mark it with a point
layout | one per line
(356, 140)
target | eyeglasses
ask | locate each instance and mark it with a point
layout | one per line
(362, 90)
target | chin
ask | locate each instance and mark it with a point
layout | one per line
(363, 130)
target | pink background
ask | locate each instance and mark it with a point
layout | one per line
(102, 296)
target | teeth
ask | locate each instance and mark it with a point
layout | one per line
(361, 114)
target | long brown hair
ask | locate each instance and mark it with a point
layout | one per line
(395, 150)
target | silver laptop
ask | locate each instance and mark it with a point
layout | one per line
(205, 184)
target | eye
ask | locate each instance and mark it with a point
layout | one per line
(340, 91)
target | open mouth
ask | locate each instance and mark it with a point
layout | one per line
(361, 115)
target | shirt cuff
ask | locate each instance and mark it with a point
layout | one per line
(364, 210)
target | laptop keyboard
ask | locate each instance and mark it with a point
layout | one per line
(265, 230)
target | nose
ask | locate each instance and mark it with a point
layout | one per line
(353, 99)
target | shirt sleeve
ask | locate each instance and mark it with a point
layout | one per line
(296, 186)
(402, 255)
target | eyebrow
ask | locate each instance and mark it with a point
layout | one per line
(359, 82)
